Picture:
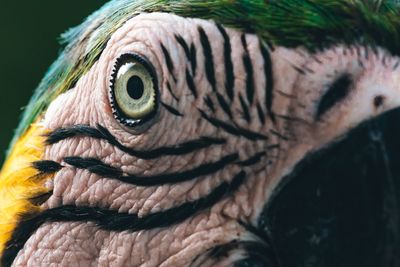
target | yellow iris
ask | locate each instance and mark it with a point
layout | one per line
(134, 90)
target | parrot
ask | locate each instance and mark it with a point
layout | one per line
(243, 133)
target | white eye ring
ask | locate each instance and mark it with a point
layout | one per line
(133, 90)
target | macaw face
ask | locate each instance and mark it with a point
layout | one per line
(192, 144)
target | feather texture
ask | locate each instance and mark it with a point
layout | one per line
(20, 182)
(312, 24)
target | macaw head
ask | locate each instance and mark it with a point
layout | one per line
(212, 133)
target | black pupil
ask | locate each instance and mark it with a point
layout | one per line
(135, 87)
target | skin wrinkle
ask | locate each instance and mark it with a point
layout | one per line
(149, 200)
(86, 147)
(155, 236)
(194, 194)
(195, 241)
(80, 187)
(295, 96)
(193, 190)
(63, 236)
(94, 183)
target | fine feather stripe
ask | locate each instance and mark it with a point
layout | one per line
(279, 135)
(168, 61)
(260, 113)
(224, 105)
(230, 77)
(191, 84)
(248, 66)
(193, 59)
(337, 92)
(208, 58)
(245, 109)
(46, 166)
(112, 220)
(184, 46)
(96, 166)
(76, 130)
(172, 110)
(102, 133)
(269, 82)
(169, 88)
(40, 199)
(253, 159)
(209, 103)
(381, 16)
(233, 130)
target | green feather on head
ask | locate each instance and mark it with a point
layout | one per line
(312, 24)
(246, 123)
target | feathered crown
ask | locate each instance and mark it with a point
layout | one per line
(312, 24)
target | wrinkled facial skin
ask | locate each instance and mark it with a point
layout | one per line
(281, 105)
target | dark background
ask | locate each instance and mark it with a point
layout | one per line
(29, 32)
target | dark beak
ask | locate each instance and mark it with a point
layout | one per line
(341, 205)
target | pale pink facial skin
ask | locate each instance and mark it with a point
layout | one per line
(296, 96)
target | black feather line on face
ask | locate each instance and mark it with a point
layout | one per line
(233, 130)
(40, 199)
(224, 105)
(98, 167)
(168, 61)
(46, 166)
(252, 160)
(245, 109)
(73, 131)
(184, 46)
(172, 110)
(209, 103)
(229, 70)
(193, 59)
(113, 220)
(191, 84)
(102, 133)
(169, 88)
(248, 66)
(269, 82)
(279, 135)
(208, 58)
(261, 115)
(337, 92)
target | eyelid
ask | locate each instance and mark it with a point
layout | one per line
(121, 116)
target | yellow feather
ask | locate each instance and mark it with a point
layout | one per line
(19, 181)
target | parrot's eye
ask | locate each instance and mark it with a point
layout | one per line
(133, 91)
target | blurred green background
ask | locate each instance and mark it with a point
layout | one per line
(28, 45)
